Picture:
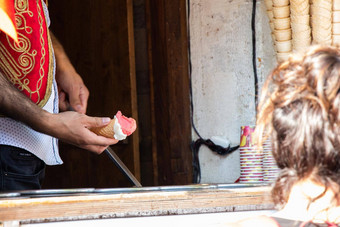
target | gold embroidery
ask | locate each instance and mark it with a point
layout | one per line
(22, 7)
(17, 71)
(43, 52)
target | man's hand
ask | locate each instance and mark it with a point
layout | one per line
(72, 92)
(71, 127)
(74, 128)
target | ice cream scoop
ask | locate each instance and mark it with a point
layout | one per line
(119, 127)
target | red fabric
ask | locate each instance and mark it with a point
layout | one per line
(27, 63)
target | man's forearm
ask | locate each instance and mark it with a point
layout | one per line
(17, 106)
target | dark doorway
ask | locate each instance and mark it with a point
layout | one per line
(132, 55)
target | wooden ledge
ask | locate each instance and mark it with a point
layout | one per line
(145, 203)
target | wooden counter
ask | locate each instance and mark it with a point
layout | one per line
(135, 203)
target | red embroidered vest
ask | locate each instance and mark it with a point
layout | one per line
(28, 64)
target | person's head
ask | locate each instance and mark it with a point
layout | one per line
(299, 110)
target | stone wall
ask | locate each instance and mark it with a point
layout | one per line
(222, 76)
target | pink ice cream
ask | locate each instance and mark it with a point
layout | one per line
(119, 128)
(128, 125)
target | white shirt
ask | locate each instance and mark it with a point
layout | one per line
(17, 134)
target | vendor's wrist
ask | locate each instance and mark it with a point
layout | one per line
(48, 123)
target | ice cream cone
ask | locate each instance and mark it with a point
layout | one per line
(300, 19)
(322, 41)
(106, 131)
(335, 39)
(336, 29)
(336, 5)
(323, 13)
(282, 56)
(273, 36)
(281, 12)
(302, 35)
(322, 8)
(311, 7)
(284, 46)
(119, 128)
(297, 28)
(322, 23)
(301, 44)
(324, 32)
(298, 2)
(277, 3)
(321, 37)
(300, 11)
(270, 15)
(327, 4)
(299, 7)
(269, 4)
(281, 23)
(283, 35)
(336, 16)
(300, 48)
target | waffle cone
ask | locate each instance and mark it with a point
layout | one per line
(336, 39)
(300, 19)
(327, 4)
(283, 35)
(270, 15)
(282, 23)
(296, 28)
(281, 12)
(336, 5)
(283, 46)
(106, 131)
(277, 3)
(322, 35)
(302, 40)
(301, 49)
(282, 56)
(269, 4)
(299, 7)
(336, 28)
(322, 8)
(322, 27)
(303, 35)
(301, 45)
(323, 13)
(336, 16)
(273, 37)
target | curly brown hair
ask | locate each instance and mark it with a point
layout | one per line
(299, 111)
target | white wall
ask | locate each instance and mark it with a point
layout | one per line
(222, 76)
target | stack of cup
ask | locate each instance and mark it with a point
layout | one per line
(270, 14)
(270, 169)
(322, 21)
(336, 23)
(250, 158)
(300, 23)
(282, 29)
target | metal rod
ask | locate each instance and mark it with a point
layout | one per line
(122, 167)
